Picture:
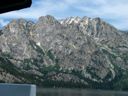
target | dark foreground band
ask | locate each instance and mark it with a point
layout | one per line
(11, 5)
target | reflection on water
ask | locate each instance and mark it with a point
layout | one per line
(78, 92)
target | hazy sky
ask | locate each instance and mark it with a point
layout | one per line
(113, 11)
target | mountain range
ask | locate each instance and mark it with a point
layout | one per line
(73, 52)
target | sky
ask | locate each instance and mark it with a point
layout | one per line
(114, 12)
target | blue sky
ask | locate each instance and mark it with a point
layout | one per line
(114, 12)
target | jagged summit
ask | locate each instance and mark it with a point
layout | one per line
(77, 19)
(84, 20)
(48, 19)
(70, 20)
(18, 24)
(95, 27)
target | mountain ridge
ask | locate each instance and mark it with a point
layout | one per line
(87, 53)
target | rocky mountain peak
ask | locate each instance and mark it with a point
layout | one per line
(70, 20)
(19, 21)
(18, 26)
(48, 19)
(95, 27)
(85, 21)
(86, 18)
(90, 53)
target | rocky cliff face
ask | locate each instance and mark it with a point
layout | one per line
(74, 52)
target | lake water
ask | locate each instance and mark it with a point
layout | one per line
(78, 92)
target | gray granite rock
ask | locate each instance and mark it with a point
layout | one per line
(79, 50)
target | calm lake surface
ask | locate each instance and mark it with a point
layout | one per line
(78, 92)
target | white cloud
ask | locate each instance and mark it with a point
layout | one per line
(113, 11)
(39, 8)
